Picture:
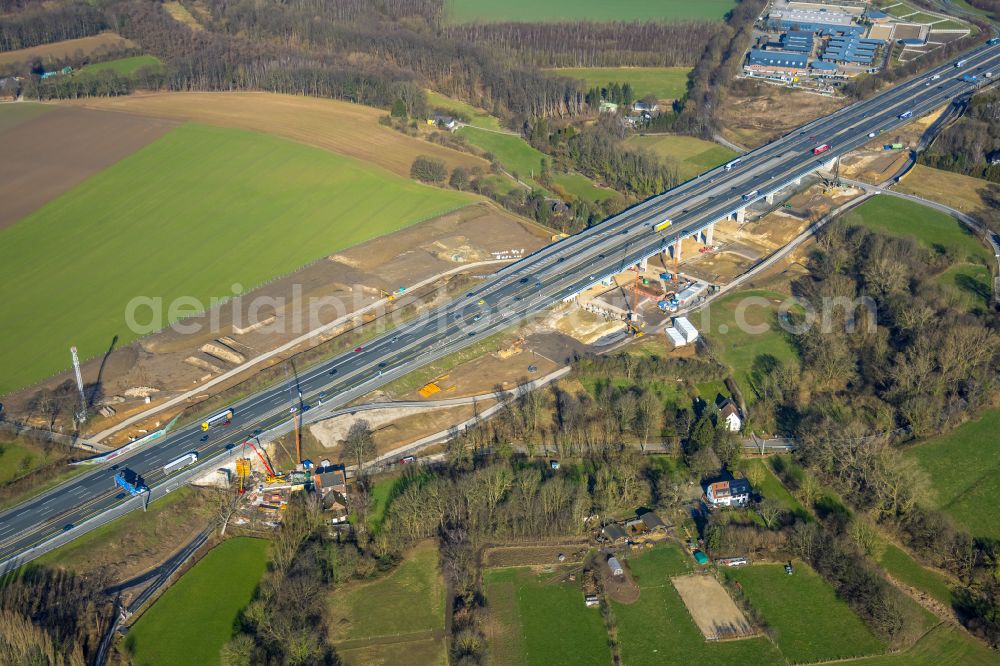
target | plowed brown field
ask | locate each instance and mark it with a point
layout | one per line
(47, 155)
(350, 129)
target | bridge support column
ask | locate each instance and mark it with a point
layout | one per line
(741, 215)
(709, 234)
(675, 250)
(797, 182)
(830, 164)
(644, 264)
(769, 198)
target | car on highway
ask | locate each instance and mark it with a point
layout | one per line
(382, 364)
(523, 280)
(357, 350)
(471, 333)
(68, 526)
(477, 317)
(480, 302)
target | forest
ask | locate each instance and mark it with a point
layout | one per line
(971, 145)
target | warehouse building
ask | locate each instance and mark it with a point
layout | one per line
(822, 21)
(851, 50)
(797, 41)
(777, 62)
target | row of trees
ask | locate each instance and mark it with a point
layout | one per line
(589, 44)
(42, 25)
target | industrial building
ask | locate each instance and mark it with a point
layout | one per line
(675, 336)
(797, 41)
(783, 62)
(822, 21)
(851, 50)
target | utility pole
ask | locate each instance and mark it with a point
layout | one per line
(81, 414)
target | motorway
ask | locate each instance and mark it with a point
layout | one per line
(510, 295)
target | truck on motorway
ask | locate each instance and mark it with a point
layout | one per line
(961, 63)
(905, 114)
(730, 165)
(969, 78)
(180, 463)
(130, 482)
(993, 41)
(222, 418)
(820, 149)
(750, 195)
(663, 225)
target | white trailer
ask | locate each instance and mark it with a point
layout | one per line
(180, 463)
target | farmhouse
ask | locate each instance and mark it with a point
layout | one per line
(730, 415)
(733, 492)
(447, 122)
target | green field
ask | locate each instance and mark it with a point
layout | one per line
(690, 155)
(189, 215)
(19, 457)
(410, 599)
(964, 470)
(542, 622)
(657, 629)
(426, 652)
(511, 151)
(770, 487)
(12, 115)
(743, 327)
(124, 66)
(532, 11)
(793, 605)
(663, 82)
(931, 228)
(582, 187)
(194, 618)
(476, 117)
(904, 568)
(942, 645)
(972, 285)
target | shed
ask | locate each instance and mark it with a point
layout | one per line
(653, 521)
(615, 566)
(614, 533)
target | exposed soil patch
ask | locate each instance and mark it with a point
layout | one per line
(518, 556)
(52, 153)
(766, 112)
(712, 609)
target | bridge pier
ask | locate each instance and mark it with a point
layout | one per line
(741, 215)
(797, 182)
(675, 250)
(769, 198)
(709, 234)
(830, 164)
(644, 264)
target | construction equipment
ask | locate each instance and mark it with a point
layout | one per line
(386, 295)
(242, 472)
(272, 475)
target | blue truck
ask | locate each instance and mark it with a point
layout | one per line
(969, 78)
(130, 482)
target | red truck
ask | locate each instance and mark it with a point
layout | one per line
(821, 149)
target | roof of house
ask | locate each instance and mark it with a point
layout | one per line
(328, 477)
(614, 532)
(828, 66)
(652, 520)
(728, 409)
(739, 487)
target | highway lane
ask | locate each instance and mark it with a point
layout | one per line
(513, 293)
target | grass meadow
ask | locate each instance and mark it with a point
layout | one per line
(194, 618)
(657, 629)
(904, 568)
(944, 644)
(812, 623)
(541, 622)
(929, 227)
(408, 600)
(743, 328)
(690, 155)
(532, 11)
(662, 82)
(124, 66)
(189, 215)
(964, 471)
